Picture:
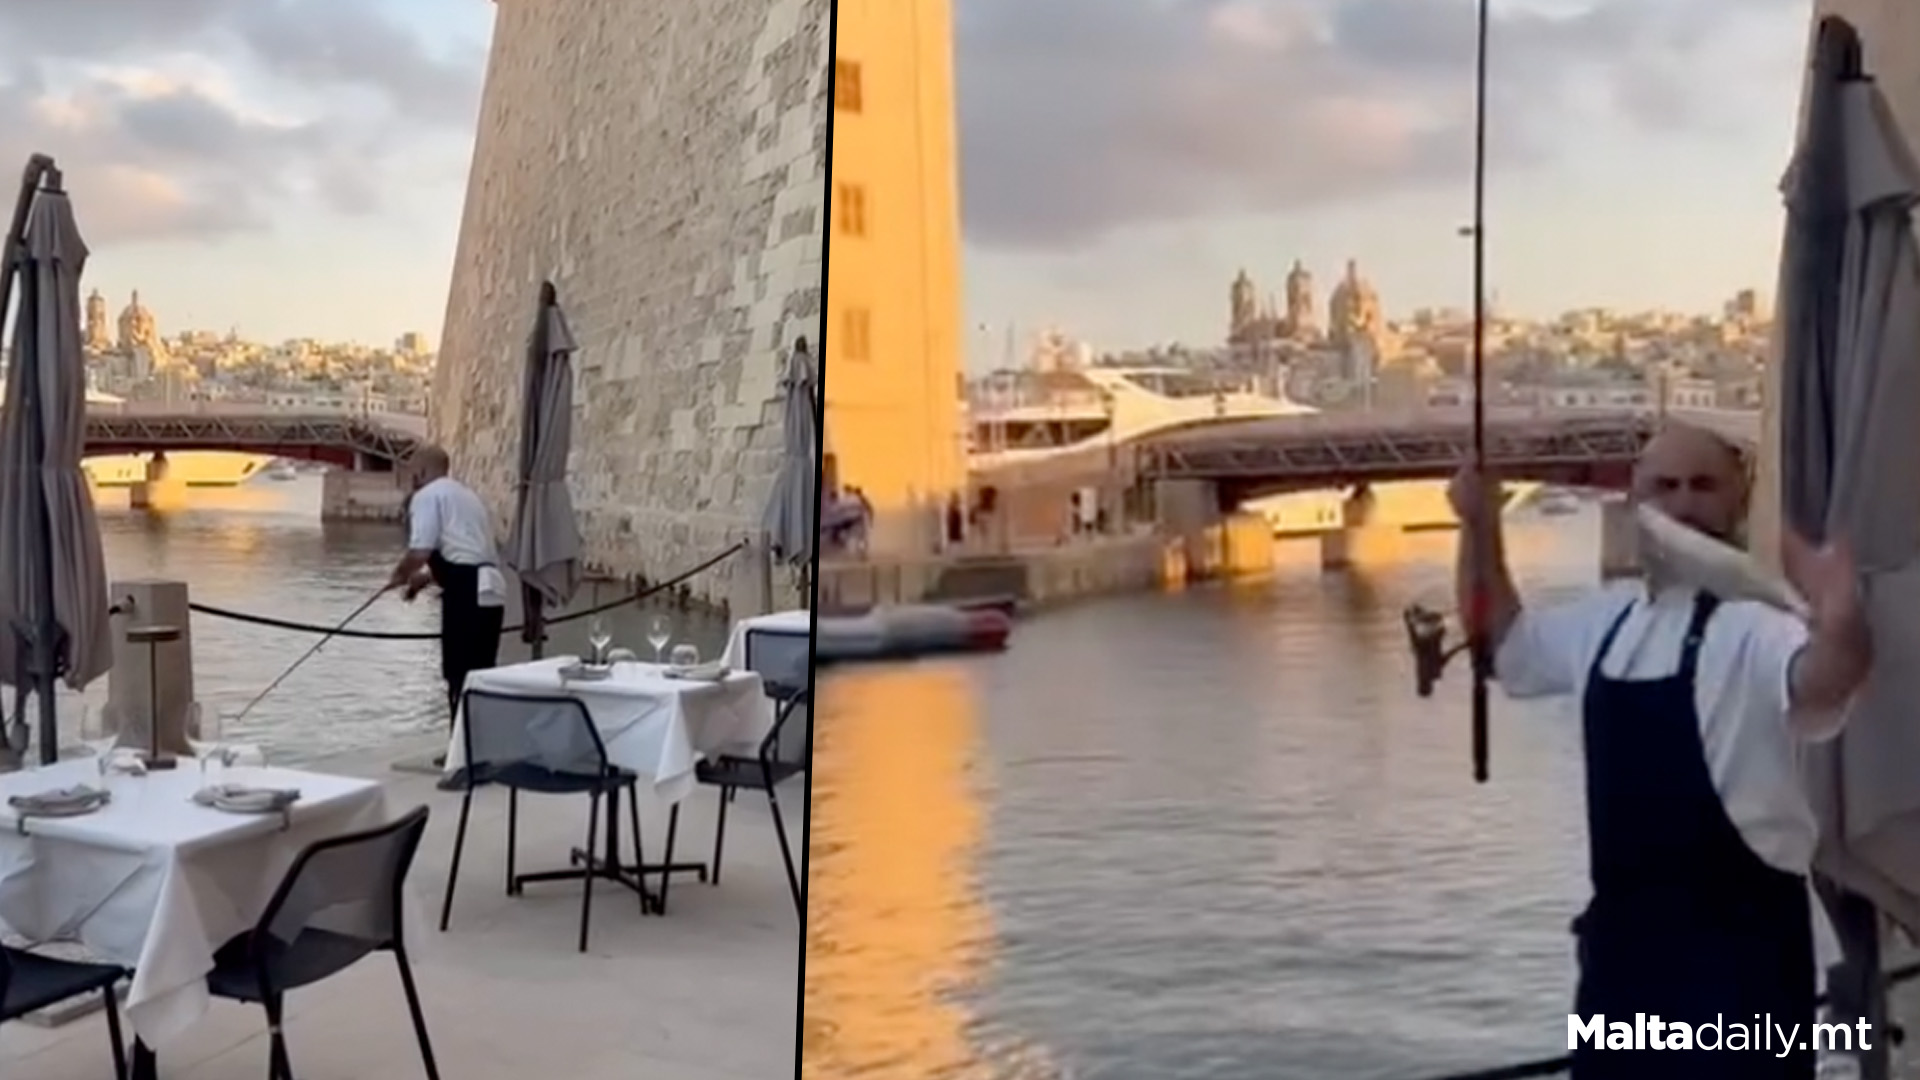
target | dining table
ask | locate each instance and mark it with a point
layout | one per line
(655, 721)
(797, 622)
(156, 881)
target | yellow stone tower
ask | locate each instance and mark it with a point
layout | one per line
(893, 338)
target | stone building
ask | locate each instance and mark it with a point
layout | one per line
(99, 338)
(1253, 323)
(665, 165)
(894, 324)
(1354, 316)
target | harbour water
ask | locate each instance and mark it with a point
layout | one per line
(1213, 836)
(261, 548)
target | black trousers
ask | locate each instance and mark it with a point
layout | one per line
(469, 633)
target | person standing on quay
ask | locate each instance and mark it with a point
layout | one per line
(1700, 836)
(450, 544)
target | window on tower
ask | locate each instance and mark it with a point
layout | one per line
(846, 86)
(851, 200)
(856, 334)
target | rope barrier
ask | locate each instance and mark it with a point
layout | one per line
(390, 635)
(1525, 1070)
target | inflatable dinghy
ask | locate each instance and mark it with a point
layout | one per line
(908, 632)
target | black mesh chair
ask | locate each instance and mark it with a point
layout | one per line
(549, 746)
(29, 983)
(340, 902)
(784, 662)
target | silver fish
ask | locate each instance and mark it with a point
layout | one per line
(1691, 557)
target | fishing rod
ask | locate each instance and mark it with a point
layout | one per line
(308, 655)
(1481, 600)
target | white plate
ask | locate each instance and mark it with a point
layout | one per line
(60, 804)
(236, 800)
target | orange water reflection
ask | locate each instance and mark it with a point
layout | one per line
(896, 925)
(900, 933)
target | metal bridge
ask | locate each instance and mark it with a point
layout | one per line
(359, 440)
(1248, 458)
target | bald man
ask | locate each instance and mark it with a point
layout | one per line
(450, 544)
(1700, 836)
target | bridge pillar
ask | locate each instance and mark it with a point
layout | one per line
(1359, 538)
(155, 490)
(1188, 514)
(1619, 540)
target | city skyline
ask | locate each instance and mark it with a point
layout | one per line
(1119, 163)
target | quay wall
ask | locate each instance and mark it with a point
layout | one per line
(664, 164)
(1036, 578)
(368, 496)
(1041, 577)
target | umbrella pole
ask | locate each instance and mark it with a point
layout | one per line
(765, 572)
(1477, 617)
(534, 620)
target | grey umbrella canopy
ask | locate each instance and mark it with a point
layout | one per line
(1850, 449)
(544, 548)
(53, 591)
(1849, 389)
(793, 505)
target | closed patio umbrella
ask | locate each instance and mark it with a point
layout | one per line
(1848, 452)
(544, 548)
(792, 515)
(53, 591)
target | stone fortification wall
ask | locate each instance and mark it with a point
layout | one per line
(664, 163)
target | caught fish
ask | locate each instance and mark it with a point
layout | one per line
(1711, 565)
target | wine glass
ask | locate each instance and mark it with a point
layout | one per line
(598, 637)
(240, 762)
(659, 632)
(203, 735)
(100, 735)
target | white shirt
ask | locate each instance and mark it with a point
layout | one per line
(1740, 692)
(446, 516)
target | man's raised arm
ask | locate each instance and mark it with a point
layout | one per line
(1483, 586)
(1538, 651)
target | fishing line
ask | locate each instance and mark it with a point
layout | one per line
(308, 655)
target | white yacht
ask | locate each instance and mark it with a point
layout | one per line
(1029, 416)
(190, 468)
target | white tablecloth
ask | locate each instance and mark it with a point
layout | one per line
(780, 622)
(157, 882)
(652, 725)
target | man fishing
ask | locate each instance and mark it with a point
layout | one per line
(1700, 834)
(450, 544)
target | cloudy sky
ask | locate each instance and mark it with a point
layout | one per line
(289, 167)
(1123, 158)
(295, 167)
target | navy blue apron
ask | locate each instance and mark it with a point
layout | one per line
(469, 633)
(1686, 922)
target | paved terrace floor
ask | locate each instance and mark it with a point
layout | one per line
(706, 993)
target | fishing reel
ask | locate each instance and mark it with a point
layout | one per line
(1427, 637)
